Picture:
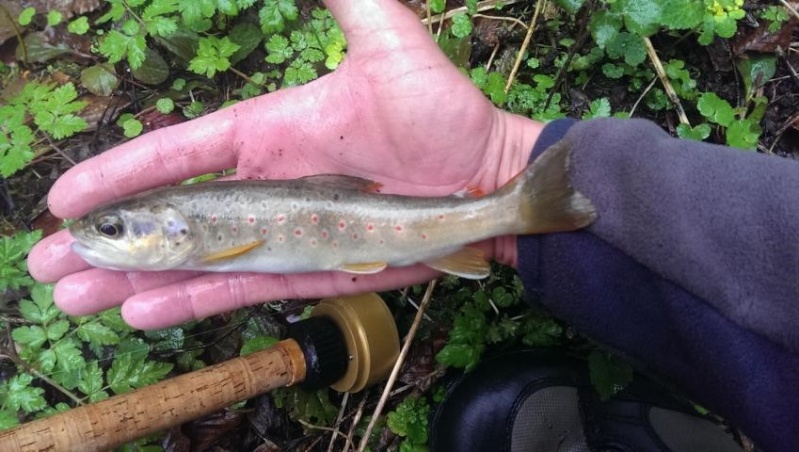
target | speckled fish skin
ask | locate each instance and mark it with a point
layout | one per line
(320, 223)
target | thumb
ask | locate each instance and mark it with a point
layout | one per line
(383, 24)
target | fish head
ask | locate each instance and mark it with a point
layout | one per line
(134, 235)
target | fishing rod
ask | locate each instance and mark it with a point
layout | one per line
(347, 344)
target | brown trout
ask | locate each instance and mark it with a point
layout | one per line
(325, 222)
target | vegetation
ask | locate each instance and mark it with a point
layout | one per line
(184, 58)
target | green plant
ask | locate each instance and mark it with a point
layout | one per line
(13, 268)
(72, 357)
(409, 420)
(53, 112)
(609, 374)
(776, 15)
(492, 315)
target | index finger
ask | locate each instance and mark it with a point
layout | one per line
(157, 158)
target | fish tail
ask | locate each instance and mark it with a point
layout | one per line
(544, 197)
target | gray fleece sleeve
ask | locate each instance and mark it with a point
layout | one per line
(719, 222)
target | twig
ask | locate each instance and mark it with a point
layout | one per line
(338, 421)
(790, 8)
(650, 50)
(513, 20)
(481, 6)
(319, 427)
(355, 420)
(539, 5)
(398, 365)
(491, 58)
(429, 28)
(643, 94)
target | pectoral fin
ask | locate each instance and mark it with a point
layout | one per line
(232, 252)
(467, 263)
(365, 268)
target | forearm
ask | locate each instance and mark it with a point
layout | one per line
(690, 268)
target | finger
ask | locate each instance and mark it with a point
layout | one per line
(157, 158)
(97, 289)
(365, 22)
(52, 258)
(216, 293)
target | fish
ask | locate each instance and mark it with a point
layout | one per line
(325, 222)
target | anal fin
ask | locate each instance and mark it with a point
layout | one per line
(468, 262)
(364, 268)
(232, 252)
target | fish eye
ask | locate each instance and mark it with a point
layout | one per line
(110, 228)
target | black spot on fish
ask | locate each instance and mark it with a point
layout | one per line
(335, 196)
(341, 137)
(354, 278)
(219, 237)
(184, 231)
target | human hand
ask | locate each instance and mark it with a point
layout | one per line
(395, 111)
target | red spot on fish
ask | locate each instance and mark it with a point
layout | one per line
(370, 227)
(298, 232)
(342, 225)
(324, 234)
(441, 217)
(398, 228)
(281, 218)
(234, 229)
(280, 238)
(315, 219)
(214, 218)
(313, 242)
(424, 236)
(264, 231)
(335, 243)
(355, 236)
(251, 219)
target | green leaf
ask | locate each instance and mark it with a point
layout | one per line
(462, 356)
(641, 17)
(743, 134)
(114, 46)
(14, 249)
(612, 71)
(69, 361)
(26, 16)
(599, 108)
(461, 25)
(165, 105)
(54, 18)
(299, 72)
(247, 36)
(33, 336)
(91, 382)
(682, 14)
(278, 49)
(274, 14)
(97, 334)
(57, 329)
(715, 109)
(154, 70)
(100, 79)
(409, 419)
(161, 26)
(628, 46)
(437, 6)
(21, 396)
(756, 70)
(257, 343)
(608, 373)
(8, 417)
(604, 26)
(698, 133)
(79, 26)
(159, 8)
(213, 55)
(570, 6)
(132, 128)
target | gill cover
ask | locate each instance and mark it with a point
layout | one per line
(134, 235)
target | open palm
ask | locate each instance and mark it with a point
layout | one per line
(395, 111)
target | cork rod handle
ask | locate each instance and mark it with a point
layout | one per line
(123, 418)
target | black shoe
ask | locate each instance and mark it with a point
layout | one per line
(542, 401)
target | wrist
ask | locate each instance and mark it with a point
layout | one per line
(515, 135)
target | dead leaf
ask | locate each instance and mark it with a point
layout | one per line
(67, 8)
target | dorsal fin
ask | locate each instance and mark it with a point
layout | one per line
(342, 182)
